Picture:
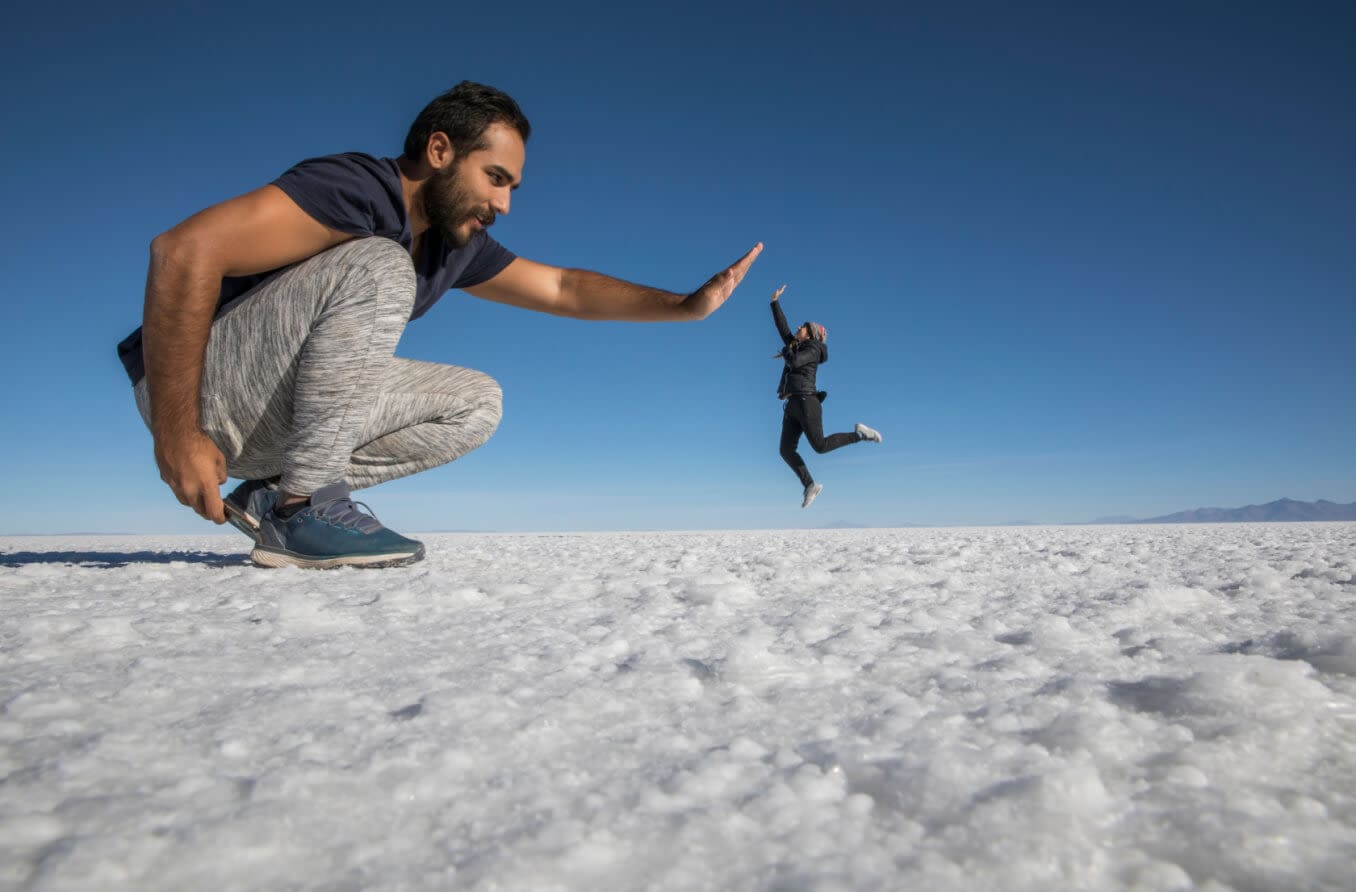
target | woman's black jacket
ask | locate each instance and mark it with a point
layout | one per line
(802, 358)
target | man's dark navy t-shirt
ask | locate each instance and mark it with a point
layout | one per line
(361, 195)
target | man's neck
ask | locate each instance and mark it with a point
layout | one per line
(413, 178)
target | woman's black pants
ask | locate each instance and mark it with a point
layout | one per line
(803, 414)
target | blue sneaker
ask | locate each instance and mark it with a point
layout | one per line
(331, 531)
(248, 503)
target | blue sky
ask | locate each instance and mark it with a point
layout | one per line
(1074, 261)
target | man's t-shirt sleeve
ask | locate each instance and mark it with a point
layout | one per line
(347, 193)
(488, 262)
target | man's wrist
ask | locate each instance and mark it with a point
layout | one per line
(175, 432)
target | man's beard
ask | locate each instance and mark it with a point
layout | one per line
(448, 204)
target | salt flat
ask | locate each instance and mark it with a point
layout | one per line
(1041, 708)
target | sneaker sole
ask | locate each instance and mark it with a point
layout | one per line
(274, 558)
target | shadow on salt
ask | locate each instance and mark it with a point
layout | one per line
(112, 560)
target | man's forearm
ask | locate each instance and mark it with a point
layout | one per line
(590, 295)
(181, 295)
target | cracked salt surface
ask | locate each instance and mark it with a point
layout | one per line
(1150, 708)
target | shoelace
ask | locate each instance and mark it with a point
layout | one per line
(344, 513)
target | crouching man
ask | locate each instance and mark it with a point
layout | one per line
(266, 351)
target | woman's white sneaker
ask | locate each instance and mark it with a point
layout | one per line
(868, 433)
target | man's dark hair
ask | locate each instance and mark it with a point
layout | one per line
(463, 113)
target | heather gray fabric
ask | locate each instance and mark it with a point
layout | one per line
(300, 380)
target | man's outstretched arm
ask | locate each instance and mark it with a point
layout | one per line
(581, 294)
(259, 231)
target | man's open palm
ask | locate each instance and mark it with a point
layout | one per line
(708, 298)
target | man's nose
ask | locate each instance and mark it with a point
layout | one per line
(500, 202)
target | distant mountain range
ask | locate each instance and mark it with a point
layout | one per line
(1271, 512)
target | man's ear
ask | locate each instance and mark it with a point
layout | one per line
(439, 152)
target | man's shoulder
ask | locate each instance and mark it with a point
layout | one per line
(347, 165)
(351, 192)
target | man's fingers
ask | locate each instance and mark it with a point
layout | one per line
(215, 511)
(723, 284)
(209, 506)
(719, 281)
(742, 265)
(194, 469)
(734, 277)
(734, 273)
(705, 300)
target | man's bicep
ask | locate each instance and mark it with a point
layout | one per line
(527, 284)
(255, 232)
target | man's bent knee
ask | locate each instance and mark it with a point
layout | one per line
(492, 403)
(487, 409)
(381, 260)
(372, 252)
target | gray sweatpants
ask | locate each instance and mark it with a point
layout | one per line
(300, 380)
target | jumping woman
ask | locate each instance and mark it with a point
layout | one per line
(805, 349)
